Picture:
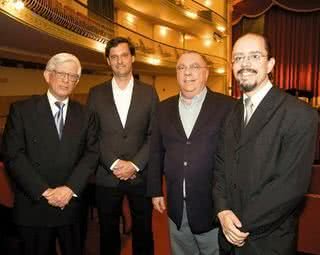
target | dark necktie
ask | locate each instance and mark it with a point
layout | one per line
(248, 107)
(58, 118)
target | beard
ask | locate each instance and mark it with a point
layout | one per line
(244, 84)
(247, 87)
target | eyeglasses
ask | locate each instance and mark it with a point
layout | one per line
(63, 75)
(192, 68)
(253, 58)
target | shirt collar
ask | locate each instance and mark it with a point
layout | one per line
(257, 97)
(116, 87)
(52, 101)
(196, 99)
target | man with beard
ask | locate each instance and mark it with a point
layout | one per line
(263, 165)
(125, 109)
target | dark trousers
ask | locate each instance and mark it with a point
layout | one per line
(109, 205)
(42, 240)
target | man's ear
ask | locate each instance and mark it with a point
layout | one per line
(46, 75)
(271, 63)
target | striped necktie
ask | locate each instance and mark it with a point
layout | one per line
(58, 117)
(248, 106)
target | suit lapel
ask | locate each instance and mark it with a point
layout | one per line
(237, 120)
(174, 117)
(110, 104)
(204, 114)
(46, 125)
(134, 103)
(72, 122)
(262, 115)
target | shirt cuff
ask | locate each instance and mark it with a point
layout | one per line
(114, 164)
(135, 167)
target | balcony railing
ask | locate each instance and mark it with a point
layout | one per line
(100, 29)
(66, 17)
(200, 10)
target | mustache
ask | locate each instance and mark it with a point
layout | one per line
(246, 70)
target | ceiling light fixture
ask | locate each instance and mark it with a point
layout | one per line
(190, 14)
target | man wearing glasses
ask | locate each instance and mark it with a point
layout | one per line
(263, 165)
(183, 144)
(50, 148)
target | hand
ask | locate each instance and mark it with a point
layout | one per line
(230, 224)
(124, 170)
(159, 204)
(59, 197)
(47, 192)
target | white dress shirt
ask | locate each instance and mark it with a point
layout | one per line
(122, 99)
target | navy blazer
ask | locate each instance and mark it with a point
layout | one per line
(178, 158)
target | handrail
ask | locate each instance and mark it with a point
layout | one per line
(202, 11)
(215, 13)
(71, 20)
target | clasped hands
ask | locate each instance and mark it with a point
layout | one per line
(230, 226)
(59, 196)
(124, 170)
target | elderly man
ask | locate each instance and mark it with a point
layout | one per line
(50, 149)
(184, 140)
(264, 163)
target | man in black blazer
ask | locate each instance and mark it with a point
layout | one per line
(125, 108)
(50, 148)
(264, 163)
(184, 140)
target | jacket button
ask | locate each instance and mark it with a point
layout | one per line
(234, 186)
(188, 142)
(124, 136)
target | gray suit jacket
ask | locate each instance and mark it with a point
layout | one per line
(129, 143)
(263, 171)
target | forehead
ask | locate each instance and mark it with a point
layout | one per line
(190, 58)
(121, 47)
(67, 65)
(249, 43)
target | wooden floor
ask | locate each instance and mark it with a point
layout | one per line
(160, 234)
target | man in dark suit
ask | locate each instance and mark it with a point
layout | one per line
(264, 163)
(50, 148)
(183, 144)
(125, 108)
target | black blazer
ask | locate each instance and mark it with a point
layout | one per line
(129, 143)
(178, 157)
(263, 171)
(36, 159)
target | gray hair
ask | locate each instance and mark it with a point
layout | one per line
(62, 58)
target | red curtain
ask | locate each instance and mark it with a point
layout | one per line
(295, 44)
(254, 8)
